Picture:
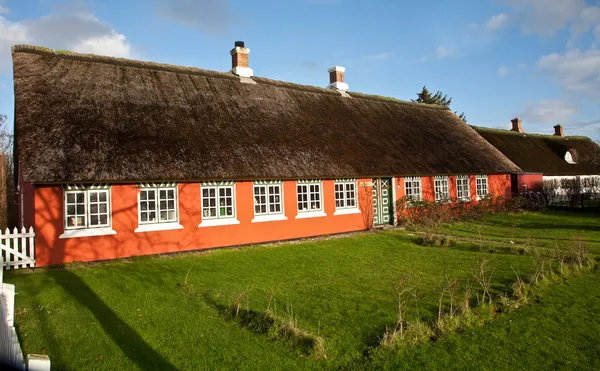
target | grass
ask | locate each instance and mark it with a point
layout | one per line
(540, 229)
(174, 312)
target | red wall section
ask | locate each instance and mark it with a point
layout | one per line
(498, 185)
(52, 250)
(532, 181)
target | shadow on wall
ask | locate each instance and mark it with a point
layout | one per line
(51, 250)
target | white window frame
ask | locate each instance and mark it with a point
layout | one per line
(439, 183)
(480, 184)
(461, 181)
(345, 184)
(217, 220)
(411, 180)
(158, 224)
(87, 230)
(312, 212)
(269, 215)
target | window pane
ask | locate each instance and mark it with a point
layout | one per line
(71, 208)
(94, 208)
(93, 196)
(171, 204)
(103, 196)
(163, 215)
(144, 217)
(103, 208)
(71, 198)
(94, 220)
(80, 197)
(80, 209)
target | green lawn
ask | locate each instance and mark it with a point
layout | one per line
(139, 314)
(544, 229)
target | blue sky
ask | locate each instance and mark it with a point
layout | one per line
(535, 59)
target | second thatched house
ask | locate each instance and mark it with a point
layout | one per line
(567, 165)
(119, 157)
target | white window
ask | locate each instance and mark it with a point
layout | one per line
(482, 185)
(441, 188)
(218, 201)
(87, 208)
(569, 158)
(268, 200)
(462, 188)
(345, 194)
(87, 211)
(310, 199)
(412, 187)
(158, 207)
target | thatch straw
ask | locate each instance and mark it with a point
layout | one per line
(91, 118)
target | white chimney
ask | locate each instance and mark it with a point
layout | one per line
(336, 78)
(239, 60)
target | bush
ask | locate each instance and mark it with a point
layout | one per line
(431, 214)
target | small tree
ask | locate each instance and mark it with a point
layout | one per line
(438, 98)
(7, 189)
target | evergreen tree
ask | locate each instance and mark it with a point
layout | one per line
(438, 98)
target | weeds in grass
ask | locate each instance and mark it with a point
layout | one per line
(276, 328)
(455, 312)
(483, 276)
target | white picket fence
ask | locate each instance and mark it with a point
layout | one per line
(18, 248)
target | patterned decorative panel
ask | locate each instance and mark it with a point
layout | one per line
(382, 201)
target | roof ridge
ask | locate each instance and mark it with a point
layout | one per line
(136, 63)
(511, 132)
(118, 61)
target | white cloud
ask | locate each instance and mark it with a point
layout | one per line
(503, 71)
(209, 16)
(546, 17)
(575, 70)
(588, 18)
(77, 31)
(114, 45)
(522, 66)
(443, 52)
(548, 111)
(10, 34)
(497, 22)
(378, 57)
(3, 10)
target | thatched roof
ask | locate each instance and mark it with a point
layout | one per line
(91, 118)
(545, 154)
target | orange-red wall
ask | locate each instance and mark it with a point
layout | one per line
(498, 185)
(532, 181)
(48, 221)
(52, 250)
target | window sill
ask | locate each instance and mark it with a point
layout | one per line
(347, 211)
(158, 227)
(218, 222)
(310, 214)
(268, 218)
(87, 232)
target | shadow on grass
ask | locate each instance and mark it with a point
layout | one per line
(132, 344)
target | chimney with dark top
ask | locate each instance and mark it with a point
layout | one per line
(239, 60)
(336, 78)
(516, 125)
(558, 131)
